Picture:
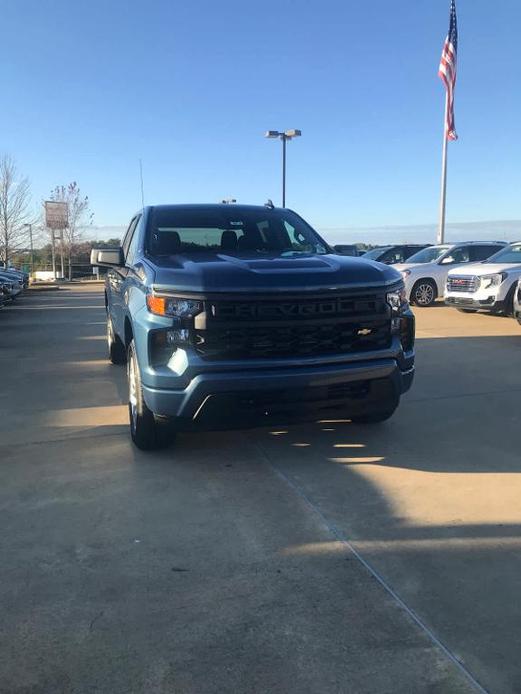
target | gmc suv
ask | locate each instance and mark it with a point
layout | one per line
(236, 315)
(487, 286)
(425, 273)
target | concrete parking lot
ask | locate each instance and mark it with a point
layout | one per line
(325, 557)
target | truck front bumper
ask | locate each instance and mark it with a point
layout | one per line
(231, 400)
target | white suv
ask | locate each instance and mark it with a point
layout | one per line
(489, 286)
(425, 273)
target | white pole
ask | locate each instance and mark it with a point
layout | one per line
(53, 250)
(443, 196)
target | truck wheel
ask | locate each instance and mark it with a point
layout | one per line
(147, 433)
(117, 354)
(374, 417)
(424, 293)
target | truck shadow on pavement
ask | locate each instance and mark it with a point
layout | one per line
(229, 562)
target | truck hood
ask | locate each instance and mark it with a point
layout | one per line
(219, 272)
(480, 269)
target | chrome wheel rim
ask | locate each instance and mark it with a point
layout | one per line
(132, 391)
(424, 294)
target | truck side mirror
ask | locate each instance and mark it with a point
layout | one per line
(107, 257)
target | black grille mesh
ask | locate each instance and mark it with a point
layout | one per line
(293, 327)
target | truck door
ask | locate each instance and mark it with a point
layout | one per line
(116, 277)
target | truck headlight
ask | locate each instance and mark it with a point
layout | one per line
(488, 281)
(177, 307)
(397, 300)
(402, 320)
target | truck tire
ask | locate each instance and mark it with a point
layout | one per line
(424, 293)
(146, 432)
(117, 354)
(374, 417)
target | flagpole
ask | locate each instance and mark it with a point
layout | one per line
(443, 195)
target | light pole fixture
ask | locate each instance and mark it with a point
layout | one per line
(284, 136)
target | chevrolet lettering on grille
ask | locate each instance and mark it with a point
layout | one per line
(329, 307)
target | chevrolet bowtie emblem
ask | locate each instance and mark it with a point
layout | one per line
(364, 331)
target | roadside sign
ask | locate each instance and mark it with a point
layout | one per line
(56, 214)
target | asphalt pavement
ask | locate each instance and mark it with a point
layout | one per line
(320, 558)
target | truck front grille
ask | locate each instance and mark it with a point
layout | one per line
(463, 284)
(294, 327)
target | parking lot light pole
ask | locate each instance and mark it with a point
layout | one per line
(284, 136)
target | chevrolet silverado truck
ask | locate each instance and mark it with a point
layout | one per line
(232, 316)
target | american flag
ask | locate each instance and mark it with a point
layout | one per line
(447, 70)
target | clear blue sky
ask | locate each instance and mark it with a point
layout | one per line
(191, 87)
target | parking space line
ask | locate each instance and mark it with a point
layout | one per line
(374, 573)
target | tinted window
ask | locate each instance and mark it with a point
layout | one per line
(478, 253)
(428, 255)
(128, 236)
(229, 229)
(347, 249)
(376, 253)
(461, 254)
(510, 254)
(411, 250)
(129, 258)
(395, 255)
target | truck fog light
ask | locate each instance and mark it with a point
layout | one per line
(174, 337)
(407, 333)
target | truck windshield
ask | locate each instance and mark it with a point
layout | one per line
(428, 255)
(510, 254)
(229, 229)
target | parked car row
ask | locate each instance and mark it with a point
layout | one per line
(471, 276)
(425, 273)
(12, 283)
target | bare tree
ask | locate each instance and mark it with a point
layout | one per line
(15, 213)
(79, 215)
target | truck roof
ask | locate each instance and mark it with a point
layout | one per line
(209, 206)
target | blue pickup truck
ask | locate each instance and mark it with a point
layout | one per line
(232, 316)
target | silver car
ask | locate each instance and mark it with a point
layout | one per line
(12, 286)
